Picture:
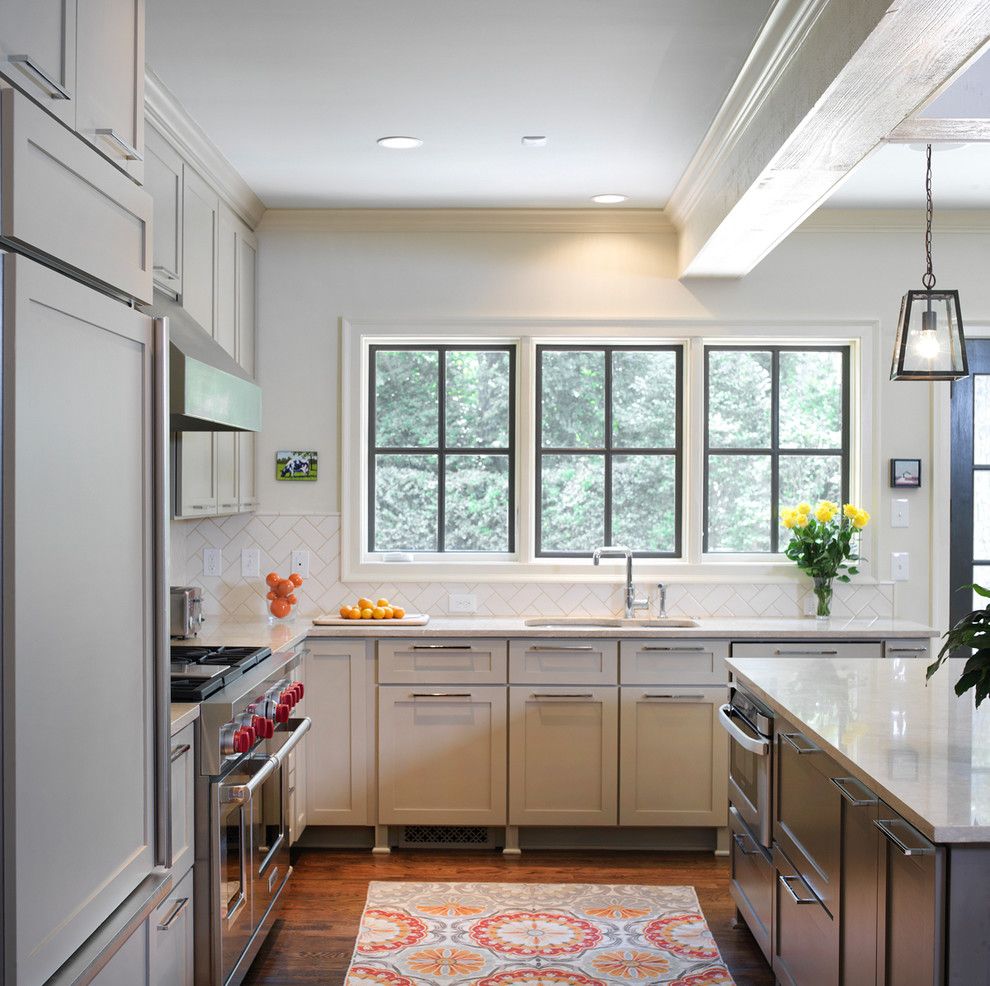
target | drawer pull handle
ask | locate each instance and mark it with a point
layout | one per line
(129, 151)
(27, 62)
(169, 274)
(786, 884)
(562, 695)
(805, 653)
(792, 742)
(440, 695)
(842, 782)
(671, 695)
(549, 649)
(179, 751)
(173, 916)
(886, 826)
(441, 647)
(740, 842)
(907, 650)
(676, 650)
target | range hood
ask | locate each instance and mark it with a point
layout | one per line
(208, 390)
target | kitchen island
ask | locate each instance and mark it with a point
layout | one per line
(881, 823)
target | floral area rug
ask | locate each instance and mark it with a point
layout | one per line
(533, 934)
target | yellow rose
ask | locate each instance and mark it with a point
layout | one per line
(850, 511)
(787, 517)
(861, 519)
(801, 520)
(825, 511)
(803, 508)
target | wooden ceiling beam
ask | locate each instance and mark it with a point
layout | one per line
(825, 84)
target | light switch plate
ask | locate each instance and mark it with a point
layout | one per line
(899, 512)
(899, 568)
(462, 602)
(299, 562)
(212, 562)
(250, 562)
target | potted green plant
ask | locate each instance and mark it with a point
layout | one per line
(973, 631)
(822, 545)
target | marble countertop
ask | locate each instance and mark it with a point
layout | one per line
(259, 632)
(922, 749)
(183, 713)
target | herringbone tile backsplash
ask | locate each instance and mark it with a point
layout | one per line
(277, 535)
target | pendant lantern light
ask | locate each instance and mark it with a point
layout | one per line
(930, 343)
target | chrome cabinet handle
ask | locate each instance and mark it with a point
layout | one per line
(562, 695)
(752, 744)
(167, 271)
(26, 61)
(227, 505)
(801, 751)
(907, 650)
(179, 751)
(180, 905)
(550, 649)
(804, 653)
(786, 884)
(740, 842)
(130, 152)
(439, 694)
(886, 826)
(841, 782)
(671, 695)
(441, 647)
(676, 650)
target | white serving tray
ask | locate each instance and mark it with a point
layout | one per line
(409, 620)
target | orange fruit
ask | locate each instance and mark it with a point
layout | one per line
(366, 613)
(296, 579)
(383, 603)
(355, 613)
(378, 613)
(398, 612)
(273, 579)
(345, 612)
(271, 595)
(292, 599)
(284, 588)
(365, 603)
(388, 612)
(280, 608)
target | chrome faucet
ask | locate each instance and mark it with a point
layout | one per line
(633, 602)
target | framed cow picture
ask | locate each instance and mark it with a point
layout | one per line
(296, 467)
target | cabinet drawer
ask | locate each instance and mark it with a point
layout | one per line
(809, 648)
(563, 662)
(437, 661)
(673, 662)
(183, 782)
(170, 952)
(49, 174)
(910, 649)
(752, 880)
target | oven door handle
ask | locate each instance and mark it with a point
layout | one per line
(753, 744)
(242, 793)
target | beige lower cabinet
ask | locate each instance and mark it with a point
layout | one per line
(563, 755)
(296, 778)
(170, 937)
(674, 761)
(338, 758)
(441, 754)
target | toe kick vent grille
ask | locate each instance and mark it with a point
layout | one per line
(446, 837)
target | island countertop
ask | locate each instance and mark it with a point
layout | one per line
(920, 748)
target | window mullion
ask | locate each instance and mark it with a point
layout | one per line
(607, 526)
(775, 451)
(441, 447)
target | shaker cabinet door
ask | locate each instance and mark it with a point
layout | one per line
(163, 180)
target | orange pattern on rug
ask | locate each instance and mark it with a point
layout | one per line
(533, 934)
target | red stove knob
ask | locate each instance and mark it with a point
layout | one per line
(242, 741)
(260, 725)
(267, 729)
(301, 688)
(251, 735)
(288, 697)
(281, 712)
(296, 690)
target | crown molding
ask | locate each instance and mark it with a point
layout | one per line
(468, 220)
(167, 115)
(895, 221)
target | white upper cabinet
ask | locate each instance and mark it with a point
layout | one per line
(163, 179)
(110, 80)
(247, 287)
(226, 328)
(38, 51)
(200, 221)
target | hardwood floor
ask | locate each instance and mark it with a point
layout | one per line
(312, 940)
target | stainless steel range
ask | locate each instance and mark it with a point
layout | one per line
(245, 734)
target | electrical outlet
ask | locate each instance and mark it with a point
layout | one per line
(299, 562)
(212, 562)
(250, 562)
(899, 513)
(899, 567)
(462, 602)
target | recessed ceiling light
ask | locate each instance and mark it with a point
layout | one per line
(534, 141)
(400, 143)
(610, 198)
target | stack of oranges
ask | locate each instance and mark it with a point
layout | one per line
(365, 609)
(282, 593)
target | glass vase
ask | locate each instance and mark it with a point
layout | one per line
(823, 595)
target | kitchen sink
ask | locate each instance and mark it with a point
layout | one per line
(609, 623)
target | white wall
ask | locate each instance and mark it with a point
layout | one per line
(310, 278)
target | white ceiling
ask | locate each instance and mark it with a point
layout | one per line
(295, 94)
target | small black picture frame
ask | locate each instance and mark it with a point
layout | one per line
(905, 474)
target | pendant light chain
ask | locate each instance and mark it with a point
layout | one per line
(929, 278)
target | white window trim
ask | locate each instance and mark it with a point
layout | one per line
(358, 334)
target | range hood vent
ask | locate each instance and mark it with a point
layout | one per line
(208, 390)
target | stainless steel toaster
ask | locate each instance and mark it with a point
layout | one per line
(185, 610)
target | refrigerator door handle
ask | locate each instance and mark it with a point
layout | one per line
(163, 698)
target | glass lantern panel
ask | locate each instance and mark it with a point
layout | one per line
(929, 337)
